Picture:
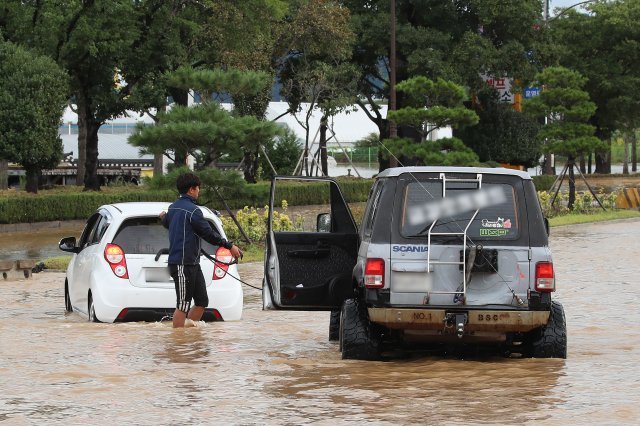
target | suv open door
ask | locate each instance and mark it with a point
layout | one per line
(310, 268)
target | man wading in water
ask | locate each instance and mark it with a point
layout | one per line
(186, 226)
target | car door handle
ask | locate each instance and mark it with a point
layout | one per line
(318, 252)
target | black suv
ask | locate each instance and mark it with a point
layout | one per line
(444, 255)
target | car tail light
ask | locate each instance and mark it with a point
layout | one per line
(220, 268)
(374, 273)
(545, 278)
(114, 255)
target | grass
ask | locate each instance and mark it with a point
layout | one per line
(574, 219)
(58, 263)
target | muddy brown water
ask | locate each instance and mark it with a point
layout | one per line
(279, 368)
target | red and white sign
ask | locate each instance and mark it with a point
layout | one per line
(503, 86)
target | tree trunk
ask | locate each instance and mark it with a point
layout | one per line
(590, 162)
(572, 183)
(33, 175)
(4, 174)
(603, 158)
(88, 128)
(158, 165)
(323, 146)
(383, 129)
(634, 156)
(603, 162)
(583, 166)
(250, 165)
(91, 179)
(255, 106)
(625, 160)
(82, 147)
(547, 168)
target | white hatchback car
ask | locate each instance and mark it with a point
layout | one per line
(119, 270)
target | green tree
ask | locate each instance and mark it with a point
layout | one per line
(207, 130)
(371, 140)
(604, 46)
(316, 73)
(502, 135)
(113, 50)
(33, 95)
(283, 153)
(432, 105)
(458, 41)
(568, 110)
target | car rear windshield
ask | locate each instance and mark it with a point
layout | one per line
(146, 235)
(495, 203)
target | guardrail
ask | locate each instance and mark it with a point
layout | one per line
(629, 198)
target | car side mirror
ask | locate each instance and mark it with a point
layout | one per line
(323, 222)
(546, 225)
(68, 244)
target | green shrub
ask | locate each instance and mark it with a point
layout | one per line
(255, 223)
(585, 203)
(71, 203)
(543, 182)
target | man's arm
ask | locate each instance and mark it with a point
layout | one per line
(205, 231)
(163, 219)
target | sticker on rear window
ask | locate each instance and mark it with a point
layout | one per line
(495, 228)
(499, 223)
(484, 232)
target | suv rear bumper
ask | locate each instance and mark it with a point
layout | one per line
(478, 319)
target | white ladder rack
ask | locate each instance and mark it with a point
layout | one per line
(444, 179)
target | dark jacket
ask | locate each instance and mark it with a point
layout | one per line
(186, 226)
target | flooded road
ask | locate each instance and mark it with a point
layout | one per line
(279, 368)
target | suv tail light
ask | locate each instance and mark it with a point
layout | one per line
(220, 269)
(374, 273)
(545, 278)
(114, 255)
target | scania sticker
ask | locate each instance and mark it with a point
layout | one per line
(410, 249)
(500, 223)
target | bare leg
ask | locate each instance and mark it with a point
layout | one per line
(178, 318)
(195, 313)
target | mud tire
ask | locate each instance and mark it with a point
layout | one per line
(92, 310)
(550, 341)
(67, 300)
(359, 338)
(334, 325)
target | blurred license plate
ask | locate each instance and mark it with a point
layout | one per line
(411, 282)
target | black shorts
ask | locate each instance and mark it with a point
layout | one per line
(190, 284)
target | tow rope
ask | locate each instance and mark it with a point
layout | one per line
(233, 262)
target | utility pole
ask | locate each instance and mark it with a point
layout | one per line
(393, 128)
(548, 157)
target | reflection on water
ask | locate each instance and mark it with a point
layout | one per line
(38, 245)
(279, 367)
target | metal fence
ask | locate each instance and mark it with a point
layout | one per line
(108, 128)
(358, 155)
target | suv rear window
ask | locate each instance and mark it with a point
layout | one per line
(423, 202)
(146, 235)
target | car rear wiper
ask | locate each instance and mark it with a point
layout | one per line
(426, 228)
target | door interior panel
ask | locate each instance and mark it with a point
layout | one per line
(315, 268)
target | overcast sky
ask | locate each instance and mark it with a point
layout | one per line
(561, 3)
